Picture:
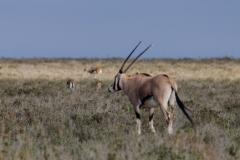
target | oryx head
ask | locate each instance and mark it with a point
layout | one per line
(115, 86)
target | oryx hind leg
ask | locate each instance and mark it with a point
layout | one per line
(151, 112)
(137, 112)
(163, 99)
(163, 106)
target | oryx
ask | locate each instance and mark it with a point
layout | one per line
(145, 91)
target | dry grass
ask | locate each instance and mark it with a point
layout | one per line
(41, 119)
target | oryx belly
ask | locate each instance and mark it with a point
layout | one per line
(150, 103)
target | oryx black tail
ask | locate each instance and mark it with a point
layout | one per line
(183, 108)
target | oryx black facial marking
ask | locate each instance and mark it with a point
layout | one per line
(116, 85)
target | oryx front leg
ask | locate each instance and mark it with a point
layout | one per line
(137, 111)
(151, 110)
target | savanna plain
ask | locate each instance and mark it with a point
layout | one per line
(41, 119)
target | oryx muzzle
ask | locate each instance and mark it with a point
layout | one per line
(145, 91)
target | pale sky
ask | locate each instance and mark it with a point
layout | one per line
(107, 28)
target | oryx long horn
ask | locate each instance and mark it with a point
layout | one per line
(129, 56)
(136, 59)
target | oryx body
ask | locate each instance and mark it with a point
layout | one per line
(145, 91)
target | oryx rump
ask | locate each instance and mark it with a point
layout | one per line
(145, 91)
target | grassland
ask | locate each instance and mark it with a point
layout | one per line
(41, 119)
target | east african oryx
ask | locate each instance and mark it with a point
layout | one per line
(145, 91)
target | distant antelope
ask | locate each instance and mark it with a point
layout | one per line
(96, 70)
(145, 91)
(98, 85)
(70, 84)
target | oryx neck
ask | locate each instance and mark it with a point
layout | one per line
(126, 82)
